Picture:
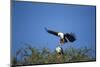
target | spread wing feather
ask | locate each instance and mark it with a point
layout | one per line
(70, 37)
(52, 32)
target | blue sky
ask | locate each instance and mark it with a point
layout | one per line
(30, 18)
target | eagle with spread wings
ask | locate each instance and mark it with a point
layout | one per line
(64, 37)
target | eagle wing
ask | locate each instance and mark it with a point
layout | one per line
(70, 37)
(52, 32)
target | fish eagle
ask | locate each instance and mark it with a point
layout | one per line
(59, 50)
(64, 37)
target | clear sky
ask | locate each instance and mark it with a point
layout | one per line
(30, 18)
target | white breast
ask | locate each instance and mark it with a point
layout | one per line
(61, 35)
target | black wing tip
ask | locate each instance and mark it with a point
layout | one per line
(73, 37)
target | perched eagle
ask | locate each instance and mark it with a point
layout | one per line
(64, 38)
(59, 50)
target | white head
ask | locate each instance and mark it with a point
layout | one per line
(61, 35)
(58, 49)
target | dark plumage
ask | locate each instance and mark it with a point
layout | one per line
(70, 36)
(52, 32)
